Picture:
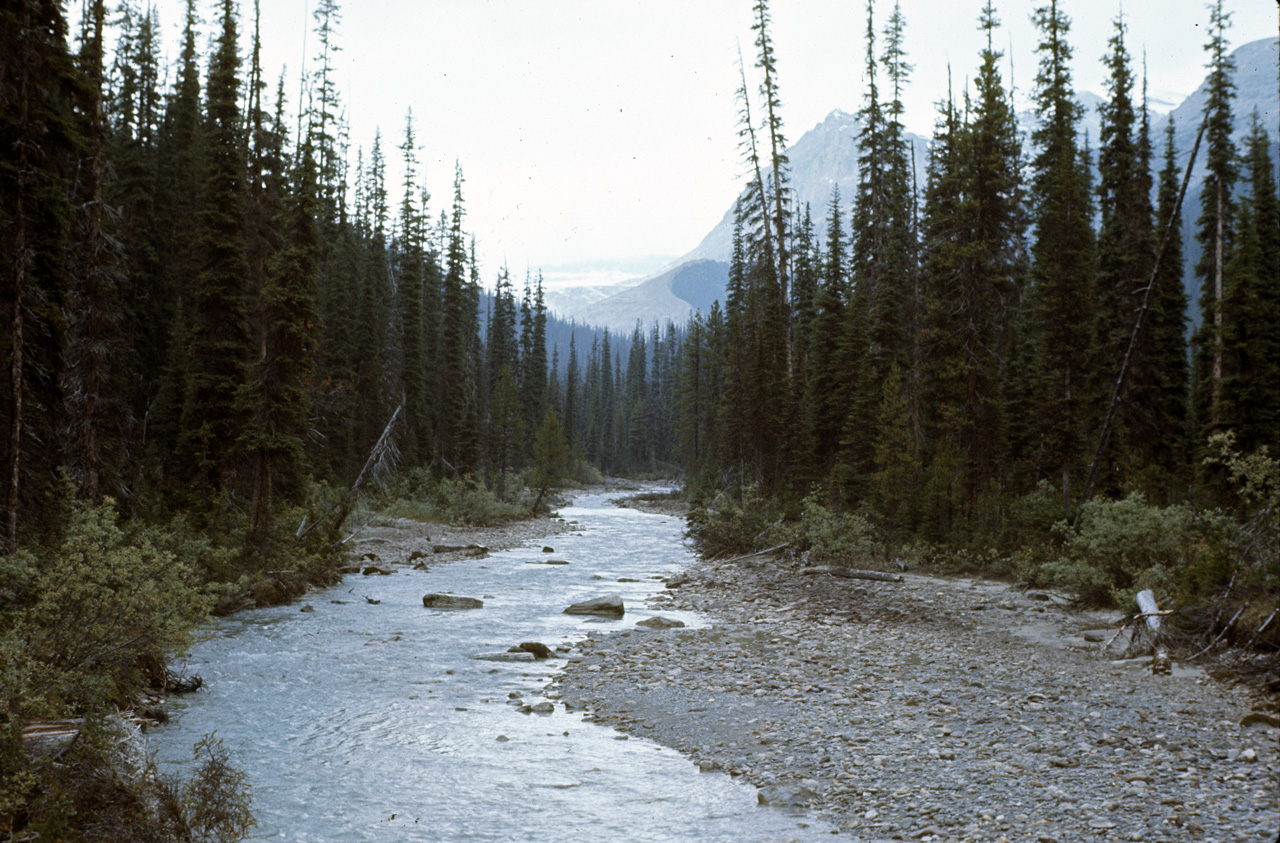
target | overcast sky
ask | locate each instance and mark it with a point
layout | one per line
(598, 132)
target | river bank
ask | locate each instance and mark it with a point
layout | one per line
(934, 709)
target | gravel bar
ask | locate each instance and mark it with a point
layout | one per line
(935, 710)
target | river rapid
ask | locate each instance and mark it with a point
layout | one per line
(373, 722)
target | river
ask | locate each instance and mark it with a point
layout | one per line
(372, 722)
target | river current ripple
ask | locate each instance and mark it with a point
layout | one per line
(363, 722)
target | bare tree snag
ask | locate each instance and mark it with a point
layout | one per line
(1151, 615)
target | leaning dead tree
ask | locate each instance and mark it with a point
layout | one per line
(1117, 392)
(382, 461)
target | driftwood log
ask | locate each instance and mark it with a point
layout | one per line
(854, 574)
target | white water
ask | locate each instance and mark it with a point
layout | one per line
(363, 722)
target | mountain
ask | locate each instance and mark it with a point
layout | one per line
(823, 157)
(672, 296)
(827, 155)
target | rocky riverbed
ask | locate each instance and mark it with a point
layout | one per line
(935, 710)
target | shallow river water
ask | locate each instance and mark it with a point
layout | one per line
(363, 722)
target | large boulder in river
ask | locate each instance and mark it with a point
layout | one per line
(449, 601)
(609, 606)
(540, 651)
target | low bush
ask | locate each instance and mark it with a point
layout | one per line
(1123, 546)
(829, 537)
(79, 623)
(729, 527)
(463, 502)
(105, 789)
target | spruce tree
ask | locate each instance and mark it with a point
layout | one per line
(972, 228)
(1063, 269)
(1126, 255)
(1166, 330)
(178, 191)
(276, 397)
(97, 356)
(411, 260)
(457, 398)
(1214, 225)
(218, 332)
(828, 395)
(37, 80)
(1250, 388)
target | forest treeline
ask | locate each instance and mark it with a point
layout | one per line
(212, 306)
(931, 380)
(212, 313)
(213, 310)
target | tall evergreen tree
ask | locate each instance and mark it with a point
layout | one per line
(1250, 388)
(458, 417)
(1063, 268)
(37, 79)
(1166, 330)
(275, 397)
(217, 316)
(973, 223)
(97, 352)
(412, 266)
(1216, 213)
(1126, 255)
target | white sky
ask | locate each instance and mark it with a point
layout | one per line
(602, 132)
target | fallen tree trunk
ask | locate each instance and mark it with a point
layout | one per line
(383, 456)
(764, 552)
(854, 574)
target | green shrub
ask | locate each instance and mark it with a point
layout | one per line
(1123, 546)
(106, 790)
(461, 502)
(468, 502)
(729, 527)
(829, 537)
(84, 618)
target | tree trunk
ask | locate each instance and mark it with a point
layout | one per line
(1218, 246)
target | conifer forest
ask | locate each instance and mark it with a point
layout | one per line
(225, 331)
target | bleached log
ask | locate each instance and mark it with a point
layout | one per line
(854, 574)
(764, 552)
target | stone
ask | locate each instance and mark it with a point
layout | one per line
(418, 554)
(504, 656)
(785, 795)
(609, 606)
(540, 651)
(449, 601)
(1260, 718)
(377, 570)
(307, 608)
(659, 622)
(548, 550)
(469, 549)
